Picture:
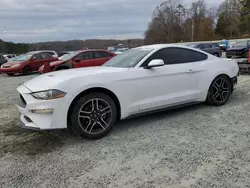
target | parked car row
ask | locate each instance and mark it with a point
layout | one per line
(212, 48)
(77, 59)
(238, 50)
(47, 61)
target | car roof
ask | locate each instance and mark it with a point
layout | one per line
(38, 51)
(91, 50)
(160, 46)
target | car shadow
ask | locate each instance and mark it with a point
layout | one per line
(32, 143)
(32, 73)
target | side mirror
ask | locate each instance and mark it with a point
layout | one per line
(155, 63)
(77, 60)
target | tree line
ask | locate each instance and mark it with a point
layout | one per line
(58, 46)
(173, 22)
(10, 47)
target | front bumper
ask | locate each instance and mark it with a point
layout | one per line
(11, 70)
(236, 54)
(234, 82)
(41, 121)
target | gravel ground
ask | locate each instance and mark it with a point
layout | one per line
(198, 146)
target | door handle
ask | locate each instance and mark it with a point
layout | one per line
(190, 71)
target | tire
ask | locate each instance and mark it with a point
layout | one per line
(219, 91)
(26, 70)
(10, 74)
(93, 123)
(216, 54)
(62, 68)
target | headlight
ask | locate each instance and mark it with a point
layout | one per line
(49, 94)
(15, 65)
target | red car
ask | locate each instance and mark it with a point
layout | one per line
(26, 63)
(77, 59)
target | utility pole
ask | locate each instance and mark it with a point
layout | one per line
(192, 30)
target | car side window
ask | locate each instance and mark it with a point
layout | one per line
(101, 54)
(45, 56)
(176, 56)
(36, 57)
(216, 45)
(50, 53)
(208, 45)
(201, 46)
(85, 56)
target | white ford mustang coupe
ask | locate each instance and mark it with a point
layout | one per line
(138, 81)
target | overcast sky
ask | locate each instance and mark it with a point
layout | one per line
(50, 20)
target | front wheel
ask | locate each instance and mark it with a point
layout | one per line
(219, 91)
(10, 74)
(93, 115)
(26, 70)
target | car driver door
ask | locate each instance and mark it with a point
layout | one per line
(174, 83)
(35, 62)
(45, 58)
(84, 59)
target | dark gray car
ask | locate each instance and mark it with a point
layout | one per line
(212, 48)
(2, 59)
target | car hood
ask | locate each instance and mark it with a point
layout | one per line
(236, 48)
(14, 62)
(51, 80)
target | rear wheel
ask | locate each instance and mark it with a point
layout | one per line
(93, 115)
(26, 70)
(62, 68)
(216, 54)
(219, 91)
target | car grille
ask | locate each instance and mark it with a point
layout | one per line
(235, 53)
(21, 102)
(232, 53)
(28, 119)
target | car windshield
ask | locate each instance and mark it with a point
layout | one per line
(192, 45)
(129, 58)
(241, 44)
(121, 49)
(24, 57)
(67, 57)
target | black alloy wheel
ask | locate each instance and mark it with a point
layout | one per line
(219, 91)
(93, 115)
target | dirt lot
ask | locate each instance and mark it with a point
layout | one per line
(199, 146)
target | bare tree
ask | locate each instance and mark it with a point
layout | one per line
(198, 14)
(166, 24)
(230, 9)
